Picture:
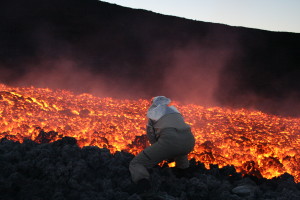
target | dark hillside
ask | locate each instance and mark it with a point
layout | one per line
(108, 50)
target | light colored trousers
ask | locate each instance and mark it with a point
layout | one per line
(172, 144)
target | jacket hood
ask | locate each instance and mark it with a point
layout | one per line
(160, 108)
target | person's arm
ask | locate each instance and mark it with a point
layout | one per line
(151, 132)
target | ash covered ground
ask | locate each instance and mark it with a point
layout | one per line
(61, 170)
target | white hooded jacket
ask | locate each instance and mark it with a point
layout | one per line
(160, 108)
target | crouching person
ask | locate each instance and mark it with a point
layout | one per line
(170, 138)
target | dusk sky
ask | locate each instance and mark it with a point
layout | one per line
(273, 15)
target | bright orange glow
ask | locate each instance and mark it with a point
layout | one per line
(254, 142)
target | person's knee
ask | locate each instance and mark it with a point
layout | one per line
(138, 172)
(134, 164)
(139, 159)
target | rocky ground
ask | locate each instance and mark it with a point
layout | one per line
(61, 170)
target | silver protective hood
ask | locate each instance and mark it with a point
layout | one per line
(160, 108)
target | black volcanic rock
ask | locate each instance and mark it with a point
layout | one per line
(109, 50)
(62, 170)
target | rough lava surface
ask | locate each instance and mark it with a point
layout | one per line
(62, 170)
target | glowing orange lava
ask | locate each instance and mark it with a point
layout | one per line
(254, 142)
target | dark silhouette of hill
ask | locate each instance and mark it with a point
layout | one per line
(109, 50)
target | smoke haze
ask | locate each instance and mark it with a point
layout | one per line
(107, 50)
(67, 74)
(195, 72)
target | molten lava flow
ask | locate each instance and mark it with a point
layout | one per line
(254, 142)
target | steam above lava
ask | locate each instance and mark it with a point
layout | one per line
(254, 142)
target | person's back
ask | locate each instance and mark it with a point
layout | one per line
(172, 120)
